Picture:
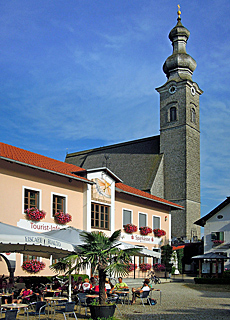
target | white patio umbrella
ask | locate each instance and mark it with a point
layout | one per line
(15, 239)
(73, 236)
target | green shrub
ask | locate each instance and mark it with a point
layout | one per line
(212, 280)
(226, 274)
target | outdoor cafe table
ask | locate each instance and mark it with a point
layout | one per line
(17, 306)
(156, 290)
(53, 301)
(53, 291)
(124, 294)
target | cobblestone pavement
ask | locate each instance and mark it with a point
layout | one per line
(183, 300)
(180, 300)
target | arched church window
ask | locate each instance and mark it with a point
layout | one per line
(173, 115)
(193, 115)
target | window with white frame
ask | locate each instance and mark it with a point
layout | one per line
(53, 261)
(142, 220)
(100, 216)
(58, 204)
(27, 257)
(156, 222)
(31, 198)
(142, 260)
(127, 216)
(217, 236)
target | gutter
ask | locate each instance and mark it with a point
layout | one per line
(146, 198)
(47, 170)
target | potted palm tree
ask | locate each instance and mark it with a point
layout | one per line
(102, 253)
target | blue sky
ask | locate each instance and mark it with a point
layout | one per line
(78, 74)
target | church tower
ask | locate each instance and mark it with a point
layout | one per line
(180, 134)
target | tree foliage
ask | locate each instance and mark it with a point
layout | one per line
(101, 253)
(166, 253)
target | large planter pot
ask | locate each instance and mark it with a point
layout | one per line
(102, 311)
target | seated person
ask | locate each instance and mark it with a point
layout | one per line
(78, 286)
(93, 282)
(7, 298)
(107, 284)
(148, 281)
(25, 295)
(119, 286)
(136, 292)
(86, 286)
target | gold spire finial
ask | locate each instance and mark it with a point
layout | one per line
(178, 12)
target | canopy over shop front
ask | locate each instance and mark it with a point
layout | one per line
(15, 239)
(212, 259)
(18, 240)
(72, 235)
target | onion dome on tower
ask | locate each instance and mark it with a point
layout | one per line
(180, 64)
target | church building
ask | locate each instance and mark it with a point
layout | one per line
(167, 165)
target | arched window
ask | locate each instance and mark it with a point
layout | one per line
(193, 115)
(173, 115)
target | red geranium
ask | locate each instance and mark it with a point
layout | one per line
(158, 267)
(62, 218)
(35, 214)
(145, 266)
(145, 230)
(33, 266)
(130, 228)
(159, 233)
(218, 241)
(131, 267)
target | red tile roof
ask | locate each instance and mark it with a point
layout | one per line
(142, 194)
(37, 160)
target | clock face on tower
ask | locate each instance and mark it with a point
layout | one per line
(101, 190)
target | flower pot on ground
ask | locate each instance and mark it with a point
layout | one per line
(35, 214)
(159, 233)
(102, 312)
(144, 231)
(62, 218)
(130, 228)
(33, 266)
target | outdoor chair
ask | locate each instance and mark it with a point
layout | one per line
(144, 295)
(10, 314)
(67, 310)
(82, 302)
(38, 309)
(114, 299)
(123, 296)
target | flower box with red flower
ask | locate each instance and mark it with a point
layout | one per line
(144, 231)
(33, 266)
(218, 241)
(62, 218)
(130, 228)
(131, 267)
(158, 267)
(159, 233)
(145, 266)
(35, 214)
